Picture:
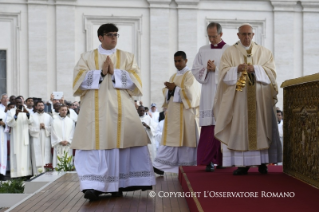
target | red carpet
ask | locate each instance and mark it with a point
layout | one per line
(194, 178)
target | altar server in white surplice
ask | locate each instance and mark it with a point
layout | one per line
(62, 131)
(40, 132)
(3, 143)
(205, 70)
(111, 143)
(19, 120)
(150, 127)
(180, 133)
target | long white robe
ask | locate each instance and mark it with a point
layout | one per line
(125, 162)
(40, 141)
(158, 133)
(150, 132)
(3, 145)
(180, 138)
(209, 81)
(20, 156)
(62, 129)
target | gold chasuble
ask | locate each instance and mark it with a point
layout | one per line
(108, 118)
(244, 119)
(181, 119)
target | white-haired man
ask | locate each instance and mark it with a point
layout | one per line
(245, 105)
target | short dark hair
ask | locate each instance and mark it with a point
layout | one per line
(106, 28)
(279, 111)
(36, 103)
(180, 53)
(20, 97)
(28, 99)
(11, 104)
(63, 105)
(217, 25)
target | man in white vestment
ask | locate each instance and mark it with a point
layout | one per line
(154, 113)
(30, 104)
(280, 129)
(180, 133)
(205, 70)
(111, 143)
(245, 105)
(4, 101)
(150, 128)
(40, 132)
(3, 143)
(19, 119)
(62, 130)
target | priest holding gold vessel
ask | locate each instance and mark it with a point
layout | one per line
(245, 105)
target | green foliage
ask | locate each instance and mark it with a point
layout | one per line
(12, 186)
(65, 163)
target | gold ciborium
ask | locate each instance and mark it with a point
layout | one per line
(241, 83)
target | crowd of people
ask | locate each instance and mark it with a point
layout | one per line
(218, 113)
(33, 130)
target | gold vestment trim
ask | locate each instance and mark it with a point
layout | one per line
(165, 120)
(300, 80)
(78, 77)
(181, 107)
(136, 76)
(252, 116)
(119, 103)
(96, 104)
(183, 90)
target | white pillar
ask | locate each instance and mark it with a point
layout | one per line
(283, 42)
(37, 46)
(310, 37)
(65, 48)
(159, 48)
(187, 28)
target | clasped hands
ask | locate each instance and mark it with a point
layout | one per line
(211, 66)
(245, 67)
(170, 85)
(108, 67)
(42, 126)
(64, 143)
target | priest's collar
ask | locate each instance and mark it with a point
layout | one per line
(183, 71)
(218, 45)
(106, 52)
(61, 117)
(246, 47)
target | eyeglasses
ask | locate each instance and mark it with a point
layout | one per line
(110, 35)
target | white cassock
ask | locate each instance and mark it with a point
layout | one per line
(30, 110)
(281, 135)
(20, 156)
(73, 115)
(40, 141)
(158, 133)
(155, 117)
(62, 129)
(208, 80)
(3, 145)
(2, 107)
(150, 132)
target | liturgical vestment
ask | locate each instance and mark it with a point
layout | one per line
(245, 120)
(180, 133)
(111, 142)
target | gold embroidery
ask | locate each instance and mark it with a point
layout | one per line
(136, 76)
(78, 77)
(119, 103)
(96, 104)
(181, 124)
(183, 90)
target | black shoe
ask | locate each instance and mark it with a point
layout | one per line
(157, 171)
(219, 167)
(91, 194)
(117, 194)
(210, 168)
(263, 169)
(241, 171)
